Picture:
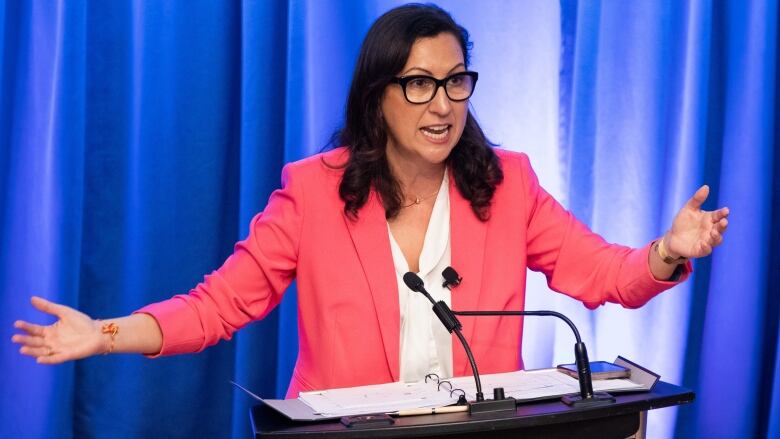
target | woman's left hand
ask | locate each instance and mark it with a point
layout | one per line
(695, 232)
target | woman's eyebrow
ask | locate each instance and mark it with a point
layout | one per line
(422, 70)
(428, 72)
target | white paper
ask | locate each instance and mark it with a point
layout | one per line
(523, 385)
(378, 398)
(535, 384)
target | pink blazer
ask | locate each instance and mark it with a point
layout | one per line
(348, 311)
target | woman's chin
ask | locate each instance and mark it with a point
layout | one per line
(438, 156)
(423, 152)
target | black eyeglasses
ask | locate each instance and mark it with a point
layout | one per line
(420, 89)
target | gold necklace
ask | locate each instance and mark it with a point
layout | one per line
(418, 200)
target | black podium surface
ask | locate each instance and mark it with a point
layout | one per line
(548, 419)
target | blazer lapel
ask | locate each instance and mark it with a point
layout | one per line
(372, 243)
(467, 237)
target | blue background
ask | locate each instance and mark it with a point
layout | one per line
(137, 139)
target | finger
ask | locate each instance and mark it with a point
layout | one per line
(715, 232)
(720, 214)
(722, 225)
(48, 307)
(699, 197)
(52, 359)
(702, 249)
(715, 238)
(29, 328)
(27, 340)
(35, 351)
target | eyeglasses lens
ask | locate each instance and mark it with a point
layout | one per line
(460, 87)
(420, 89)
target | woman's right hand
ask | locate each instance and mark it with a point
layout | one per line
(73, 336)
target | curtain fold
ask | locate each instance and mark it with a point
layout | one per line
(138, 139)
(665, 97)
(43, 117)
(734, 321)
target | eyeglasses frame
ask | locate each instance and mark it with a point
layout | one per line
(403, 80)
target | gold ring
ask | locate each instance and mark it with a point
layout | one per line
(48, 351)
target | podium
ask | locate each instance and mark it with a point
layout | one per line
(548, 419)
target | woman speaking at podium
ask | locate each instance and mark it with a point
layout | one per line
(417, 187)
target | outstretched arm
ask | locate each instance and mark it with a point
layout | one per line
(694, 233)
(75, 335)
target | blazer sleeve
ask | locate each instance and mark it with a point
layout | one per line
(578, 262)
(246, 287)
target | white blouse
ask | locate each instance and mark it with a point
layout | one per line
(426, 346)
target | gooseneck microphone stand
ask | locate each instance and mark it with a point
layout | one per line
(586, 397)
(448, 319)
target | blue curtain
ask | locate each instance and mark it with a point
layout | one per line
(660, 97)
(137, 139)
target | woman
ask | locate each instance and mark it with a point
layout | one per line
(416, 188)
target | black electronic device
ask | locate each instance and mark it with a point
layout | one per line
(599, 370)
(367, 421)
(451, 278)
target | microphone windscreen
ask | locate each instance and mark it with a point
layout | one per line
(451, 277)
(414, 282)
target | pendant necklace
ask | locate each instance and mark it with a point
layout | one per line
(418, 200)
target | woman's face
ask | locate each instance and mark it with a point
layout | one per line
(425, 134)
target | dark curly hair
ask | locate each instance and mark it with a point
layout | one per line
(475, 166)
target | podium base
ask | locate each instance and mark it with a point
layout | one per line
(598, 398)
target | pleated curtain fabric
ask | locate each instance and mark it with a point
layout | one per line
(137, 139)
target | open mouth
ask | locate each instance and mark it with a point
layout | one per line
(436, 132)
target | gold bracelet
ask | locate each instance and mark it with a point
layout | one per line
(112, 329)
(660, 247)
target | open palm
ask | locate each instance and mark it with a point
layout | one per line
(695, 232)
(73, 336)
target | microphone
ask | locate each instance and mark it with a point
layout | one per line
(448, 319)
(451, 278)
(416, 284)
(440, 308)
(586, 397)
